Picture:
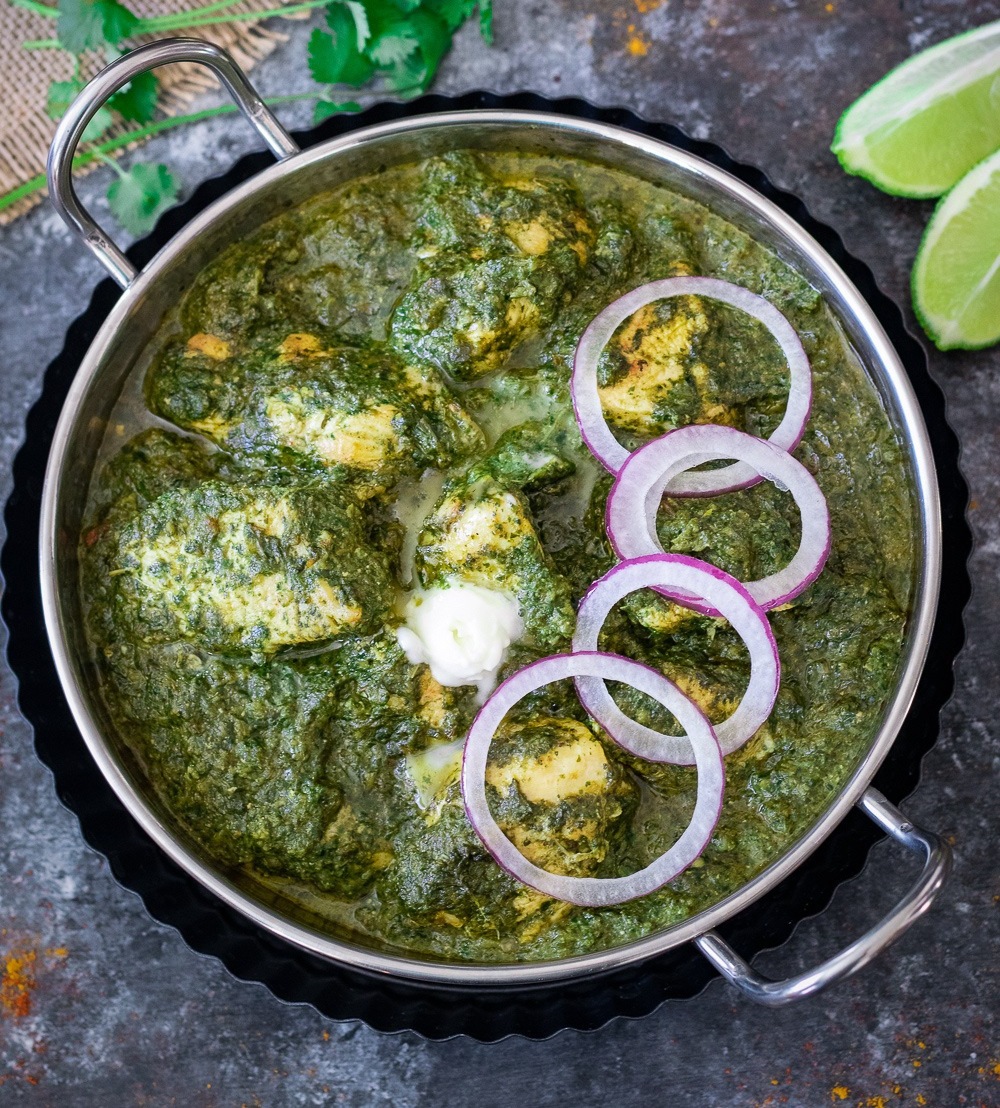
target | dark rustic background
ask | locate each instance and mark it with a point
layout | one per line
(99, 1006)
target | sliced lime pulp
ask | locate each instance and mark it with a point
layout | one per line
(930, 120)
(956, 277)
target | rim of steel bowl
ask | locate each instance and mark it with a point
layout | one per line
(739, 201)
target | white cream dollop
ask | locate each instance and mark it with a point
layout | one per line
(461, 631)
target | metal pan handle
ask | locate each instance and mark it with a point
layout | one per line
(106, 84)
(937, 866)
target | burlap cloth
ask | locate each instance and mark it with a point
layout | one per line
(25, 75)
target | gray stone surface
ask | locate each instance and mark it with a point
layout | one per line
(120, 1012)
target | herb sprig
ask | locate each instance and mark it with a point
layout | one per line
(388, 46)
(401, 41)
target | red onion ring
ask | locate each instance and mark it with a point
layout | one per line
(594, 892)
(587, 400)
(634, 500)
(680, 578)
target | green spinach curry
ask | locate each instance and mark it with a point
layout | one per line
(369, 397)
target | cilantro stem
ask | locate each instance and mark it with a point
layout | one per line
(198, 17)
(203, 17)
(157, 22)
(113, 164)
(36, 7)
(208, 8)
(174, 21)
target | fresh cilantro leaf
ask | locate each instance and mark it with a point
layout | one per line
(393, 47)
(101, 122)
(119, 22)
(360, 17)
(138, 196)
(61, 95)
(383, 15)
(80, 25)
(405, 40)
(434, 40)
(337, 60)
(408, 76)
(411, 49)
(453, 13)
(91, 24)
(326, 108)
(137, 100)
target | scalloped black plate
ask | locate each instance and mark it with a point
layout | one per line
(209, 926)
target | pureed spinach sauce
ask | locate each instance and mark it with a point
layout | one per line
(369, 395)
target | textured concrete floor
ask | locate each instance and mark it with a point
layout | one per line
(115, 1009)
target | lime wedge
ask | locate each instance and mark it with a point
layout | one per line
(956, 277)
(930, 120)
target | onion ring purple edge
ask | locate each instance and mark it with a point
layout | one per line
(747, 618)
(585, 393)
(622, 517)
(593, 892)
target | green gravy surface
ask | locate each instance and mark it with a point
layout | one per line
(332, 400)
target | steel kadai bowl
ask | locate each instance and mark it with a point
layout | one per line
(298, 175)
